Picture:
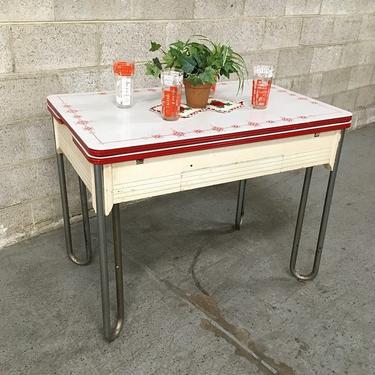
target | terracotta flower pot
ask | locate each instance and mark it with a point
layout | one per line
(197, 96)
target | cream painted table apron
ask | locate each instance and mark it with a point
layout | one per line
(122, 155)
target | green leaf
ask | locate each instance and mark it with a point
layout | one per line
(157, 63)
(208, 76)
(154, 46)
(188, 64)
(152, 70)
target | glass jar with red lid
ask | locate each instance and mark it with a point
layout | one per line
(124, 87)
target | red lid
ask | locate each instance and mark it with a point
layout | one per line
(123, 68)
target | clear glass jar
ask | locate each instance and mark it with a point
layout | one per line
(124, 86)
(171, 81)
(262, 81)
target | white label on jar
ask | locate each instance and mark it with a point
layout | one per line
(168, 80)
(124, 91)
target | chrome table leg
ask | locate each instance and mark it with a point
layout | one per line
(85, 216)
(323, 223)
(109, 333)
(240, 204)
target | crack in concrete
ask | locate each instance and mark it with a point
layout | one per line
(193, 275)
(239, 337)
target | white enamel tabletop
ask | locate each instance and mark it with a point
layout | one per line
(104, 129)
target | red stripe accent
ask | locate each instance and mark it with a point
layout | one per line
(199, 147)
(196, 141)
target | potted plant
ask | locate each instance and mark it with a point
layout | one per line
(201, 62)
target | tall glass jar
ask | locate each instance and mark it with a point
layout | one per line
(124, 77)
(171, 81)
(262, 82)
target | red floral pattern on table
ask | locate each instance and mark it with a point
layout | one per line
(287, 119)
(178, 133)
(217, 129)
(82, 122)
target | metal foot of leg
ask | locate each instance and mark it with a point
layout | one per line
(110, 333)
(240, 204)
(323, 223)
(85, 216)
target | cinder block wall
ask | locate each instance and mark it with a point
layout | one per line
(323, 48)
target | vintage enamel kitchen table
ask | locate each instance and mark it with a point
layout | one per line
(122, 155)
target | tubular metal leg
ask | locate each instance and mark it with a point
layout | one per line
(85, 216)
(109, 333)
(323, 223)
(240, 204)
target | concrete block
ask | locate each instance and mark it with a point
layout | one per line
(39, 139)
(297, 7)
(43, 47)
(244, 36)
(92, 10)
(78, 80)
(366, 97)
(28, 181)
(268, 57)
(335, 81)
(295, 61)
(358, 53)
(326, 58)
(46, 210)
(218, 8)
(308, 85)
(347, 7)
(286, 83)
(326, 99)
(264, 8)
(5, 56)
(345, 100)
(15, 222)
(346, 29)
(360, 76)
(30, 10)
(282, 32)
(317, 30)
(12, 143)
(24, 97)
(129, 40)
(165, 9)
(367, 28)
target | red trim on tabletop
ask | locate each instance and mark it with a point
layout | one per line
(199, 147)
